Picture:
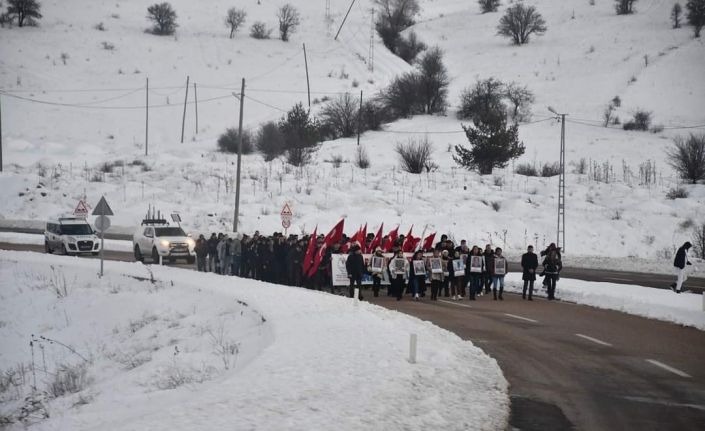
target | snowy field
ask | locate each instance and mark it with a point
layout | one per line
(54, 154)
(197, 351)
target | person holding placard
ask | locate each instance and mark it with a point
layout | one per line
(375, 269)
(445, 261)
(436, 276)
(474, 268)
(499, 270)
(529, 263)
(457, 270)
(399, 272)
(417, 277)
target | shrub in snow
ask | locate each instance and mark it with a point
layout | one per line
(26, 12)
(526, 169)
(415, 156)
(400, 97)
(676, 13)
(492, 144)
(234, 19)
(100, 26)
(519, 22)
(362, 160)
(289, 19)
(488, 5)
(696, 15)
(301, 135)
(270, 141)
(339, 117)
(624, 7)
(228, 141)
(699, 240)
(677, 193)
(482, 101)
(373, 115)
(393, 17)
(409, 48)
(164, 18)
(337, 160)
(550, 169)
(687, 157)
(496, 205)
(68, 379)
(259, 30)
(640, 121)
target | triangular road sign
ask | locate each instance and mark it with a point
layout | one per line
(286, 211)
(103, 208)
(81, 209)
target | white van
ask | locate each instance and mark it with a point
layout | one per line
(70, 235)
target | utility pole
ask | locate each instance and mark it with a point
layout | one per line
(308, 85)
(146, 120)
(560, 229)
(0, 138)
(239, 159)
(195, 99)
(183, 119)
(371, 56)
(343, 23)
(359, 120)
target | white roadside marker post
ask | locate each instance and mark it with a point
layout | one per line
(412, 348)
(357, 296)
(161, 260)
(703, 300)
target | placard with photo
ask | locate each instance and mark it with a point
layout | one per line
(436, 265)
(376, 264)
(419, 267)
(476, 264)
(458, 267)
(499, 266)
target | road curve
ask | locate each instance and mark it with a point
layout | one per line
(570, 366)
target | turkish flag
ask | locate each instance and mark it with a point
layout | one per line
(309, 251)
(376, 241)
(391, 238)
(408, 245)
(333, 236)
(428, 242)
(363, 237)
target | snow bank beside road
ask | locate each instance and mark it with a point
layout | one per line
(304, 360)
(683, 309)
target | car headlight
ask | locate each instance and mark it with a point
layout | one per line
(71, 239)
(191, 243)
(164, 243)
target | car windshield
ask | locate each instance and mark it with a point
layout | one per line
(76, 229)
(169, 231)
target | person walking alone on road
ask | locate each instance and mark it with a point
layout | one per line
(551, 268)
(355, 265)
(679, 266)
(529, 263)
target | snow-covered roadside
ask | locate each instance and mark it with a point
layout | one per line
(33, 239)
(684, 309)
(200, 351)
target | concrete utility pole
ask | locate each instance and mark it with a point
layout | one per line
(146, 120)
(0, 139)
(183, 119)
(239, 159)
(345, 18)
(560, 229)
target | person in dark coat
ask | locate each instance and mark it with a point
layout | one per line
(551, 268)
(489, 264)
(355, 266)
(679, 265)
(212, 252)
(201, 250)
(529, 263)
(474, 275)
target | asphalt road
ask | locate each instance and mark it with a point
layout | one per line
(573, 367)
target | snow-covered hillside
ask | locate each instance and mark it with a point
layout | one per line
(52, 153)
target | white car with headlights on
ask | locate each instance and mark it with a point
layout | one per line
(155, 238)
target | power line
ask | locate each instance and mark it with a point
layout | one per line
(84, 106)
(265, 104)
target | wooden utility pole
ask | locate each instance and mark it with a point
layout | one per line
(183, 120)
(239, 159)
(146, 120)
(343, 23)
(0, 139)
(359, 119)
(308, 85)
(195, 99)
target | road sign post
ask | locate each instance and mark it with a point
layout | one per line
(286, 216)
(102, 223)
(81, 209)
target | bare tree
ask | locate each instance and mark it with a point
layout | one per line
(415, 155)
(289, 19)
(433, 81)
(519, 22)
(624, 7)
(340, 116)
(687, 157)
(164, 18)
(696, 15)
(676, 12)
(394, 17)
(521, 99)
(235, 19)
(26, 11)
(488, 5)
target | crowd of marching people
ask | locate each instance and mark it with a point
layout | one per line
(433, 270)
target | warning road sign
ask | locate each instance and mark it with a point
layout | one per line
(81, 209)
(286, 211)
(103, 208)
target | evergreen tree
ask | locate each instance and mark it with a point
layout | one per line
(676, 12)
(433, 81)
(26, 11)
(492, 145)
(301, 135)
(696, 15)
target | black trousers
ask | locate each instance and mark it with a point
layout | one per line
(551, 285)
(530, 285)
(351, 290)
(398, 286)
(376, 284)
(435, 288)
